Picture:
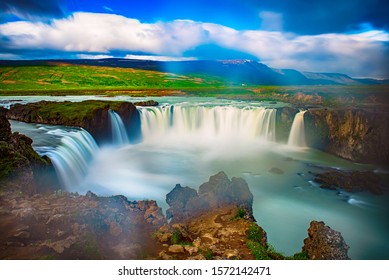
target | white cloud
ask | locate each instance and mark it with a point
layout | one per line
(355, 54)
(159, 57)
(93, 56)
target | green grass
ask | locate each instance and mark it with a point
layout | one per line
(63, 77)
(70, 113)
(68, 79)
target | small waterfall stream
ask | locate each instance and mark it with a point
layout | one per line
(297, 132)
(119, 132)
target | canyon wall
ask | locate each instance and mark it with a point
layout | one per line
(360, 135)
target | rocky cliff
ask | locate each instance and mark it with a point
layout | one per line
(359, 135)
(91, 115)
(20, 166)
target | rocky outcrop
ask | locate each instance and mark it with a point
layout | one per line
(352, 181)
(91, 115)
(146, 103)
(219, 191)
(324, 243)
(214, 223)
(20, 166)
(359, 135)
(215, 234)
(70, 226)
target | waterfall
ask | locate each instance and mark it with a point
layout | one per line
(72, 158)
(297, 132)
(213, 123)
(119, 132)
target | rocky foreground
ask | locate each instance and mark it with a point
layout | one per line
(210, 224)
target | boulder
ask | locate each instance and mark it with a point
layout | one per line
(324, 243)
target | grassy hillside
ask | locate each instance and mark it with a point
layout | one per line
(70, 79)
(63, 77)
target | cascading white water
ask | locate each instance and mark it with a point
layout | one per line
(208, 124)
(119, 133)
(72, 158)
(297, 132)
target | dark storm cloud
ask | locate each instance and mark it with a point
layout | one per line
(31, 9)
(328, 16)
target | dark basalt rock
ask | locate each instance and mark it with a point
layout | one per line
(352, 181)
(5, 127)
(324, 243)
(20, 165)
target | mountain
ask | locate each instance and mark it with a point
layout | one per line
(234, 72)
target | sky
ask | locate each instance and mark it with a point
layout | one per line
(343, 36)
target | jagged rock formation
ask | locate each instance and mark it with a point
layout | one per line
(20, 166)
(359, 135)
(91, 115)
(219, 191)
(324, 243)
(211, 223)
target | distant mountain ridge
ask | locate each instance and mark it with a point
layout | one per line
(234, 72)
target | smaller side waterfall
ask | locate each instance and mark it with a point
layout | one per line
(297, 132)
(119, 132)
(72, 158)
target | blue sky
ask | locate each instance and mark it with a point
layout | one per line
(348, 36)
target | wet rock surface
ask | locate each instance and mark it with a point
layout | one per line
(351, 181)
(324, 243)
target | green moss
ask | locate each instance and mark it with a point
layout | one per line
(176, 237)
(208, 254)
(258, 250)
(254, 233)
(10, 160)
(299, 256)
